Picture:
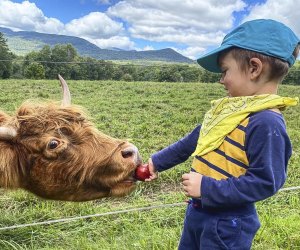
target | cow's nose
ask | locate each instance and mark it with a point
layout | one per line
(129, 152)
(132, 153)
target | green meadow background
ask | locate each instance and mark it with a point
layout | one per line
(152, 115)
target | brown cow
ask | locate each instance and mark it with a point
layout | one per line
(55, 152)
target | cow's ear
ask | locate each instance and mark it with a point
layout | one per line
(3, 117)
(7, 133)
(25, 110)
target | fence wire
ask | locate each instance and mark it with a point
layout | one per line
(139, 209)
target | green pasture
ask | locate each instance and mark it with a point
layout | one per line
(152, 115)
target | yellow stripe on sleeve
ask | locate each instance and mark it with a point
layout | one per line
(238, 136)
(234, 152)
(203, 169)
(228, 166)
(245, 122)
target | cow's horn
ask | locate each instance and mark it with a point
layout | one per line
(7, 133)
(66, 101)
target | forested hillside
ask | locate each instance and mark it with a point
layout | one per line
(23, 42)
(64, 59)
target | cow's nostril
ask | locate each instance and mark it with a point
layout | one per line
(127, 153)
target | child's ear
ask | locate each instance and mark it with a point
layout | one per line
(255, 68)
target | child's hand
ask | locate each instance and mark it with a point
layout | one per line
(153, 172)
(192, 184)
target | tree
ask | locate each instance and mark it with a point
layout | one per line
(127, 77)
(293, 77)
(35, 71)
(44, 57)
(170, 74)
(62, 57)
(209, 77)
(17, 70)
(5, 58)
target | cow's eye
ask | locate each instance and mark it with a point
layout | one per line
(53, 144)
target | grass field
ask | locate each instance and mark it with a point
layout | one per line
(152, 115)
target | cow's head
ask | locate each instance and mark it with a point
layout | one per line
(55, 152)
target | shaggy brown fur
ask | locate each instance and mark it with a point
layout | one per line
(58, 154)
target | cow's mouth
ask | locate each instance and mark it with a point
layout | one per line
(129, 180)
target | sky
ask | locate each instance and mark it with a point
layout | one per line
(191, 27)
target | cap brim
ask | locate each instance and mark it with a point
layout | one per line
(209, 61)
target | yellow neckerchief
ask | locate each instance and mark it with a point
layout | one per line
(227, 113)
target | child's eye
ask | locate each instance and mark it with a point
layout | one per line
(224, 72)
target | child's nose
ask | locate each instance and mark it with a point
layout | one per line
(222, 80)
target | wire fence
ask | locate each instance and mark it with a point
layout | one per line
(138, 209)
(130, 63)
(104, 62)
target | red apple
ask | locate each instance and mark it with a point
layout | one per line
(142, 172)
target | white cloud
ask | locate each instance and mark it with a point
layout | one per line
(147, 48)
(94, 26)
(26, 16)
(191, 52)
(106, 2)
(115, 41)
(286, 12)
(193, 24)
(162, 20)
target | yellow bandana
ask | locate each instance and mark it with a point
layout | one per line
(227, 113)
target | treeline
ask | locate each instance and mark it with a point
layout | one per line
(63, 59)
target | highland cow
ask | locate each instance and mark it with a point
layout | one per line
(55, 152)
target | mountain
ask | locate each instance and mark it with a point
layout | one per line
(23, 42)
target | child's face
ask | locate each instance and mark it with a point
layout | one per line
(235, 81)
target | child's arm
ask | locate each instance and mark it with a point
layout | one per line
(176, 153)
(268, 149)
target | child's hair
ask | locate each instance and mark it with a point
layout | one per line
(278, 68)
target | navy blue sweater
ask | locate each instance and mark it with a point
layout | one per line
(268, 150)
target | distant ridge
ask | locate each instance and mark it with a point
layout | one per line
(23, 42)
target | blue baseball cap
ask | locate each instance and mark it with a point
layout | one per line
(264, 36)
